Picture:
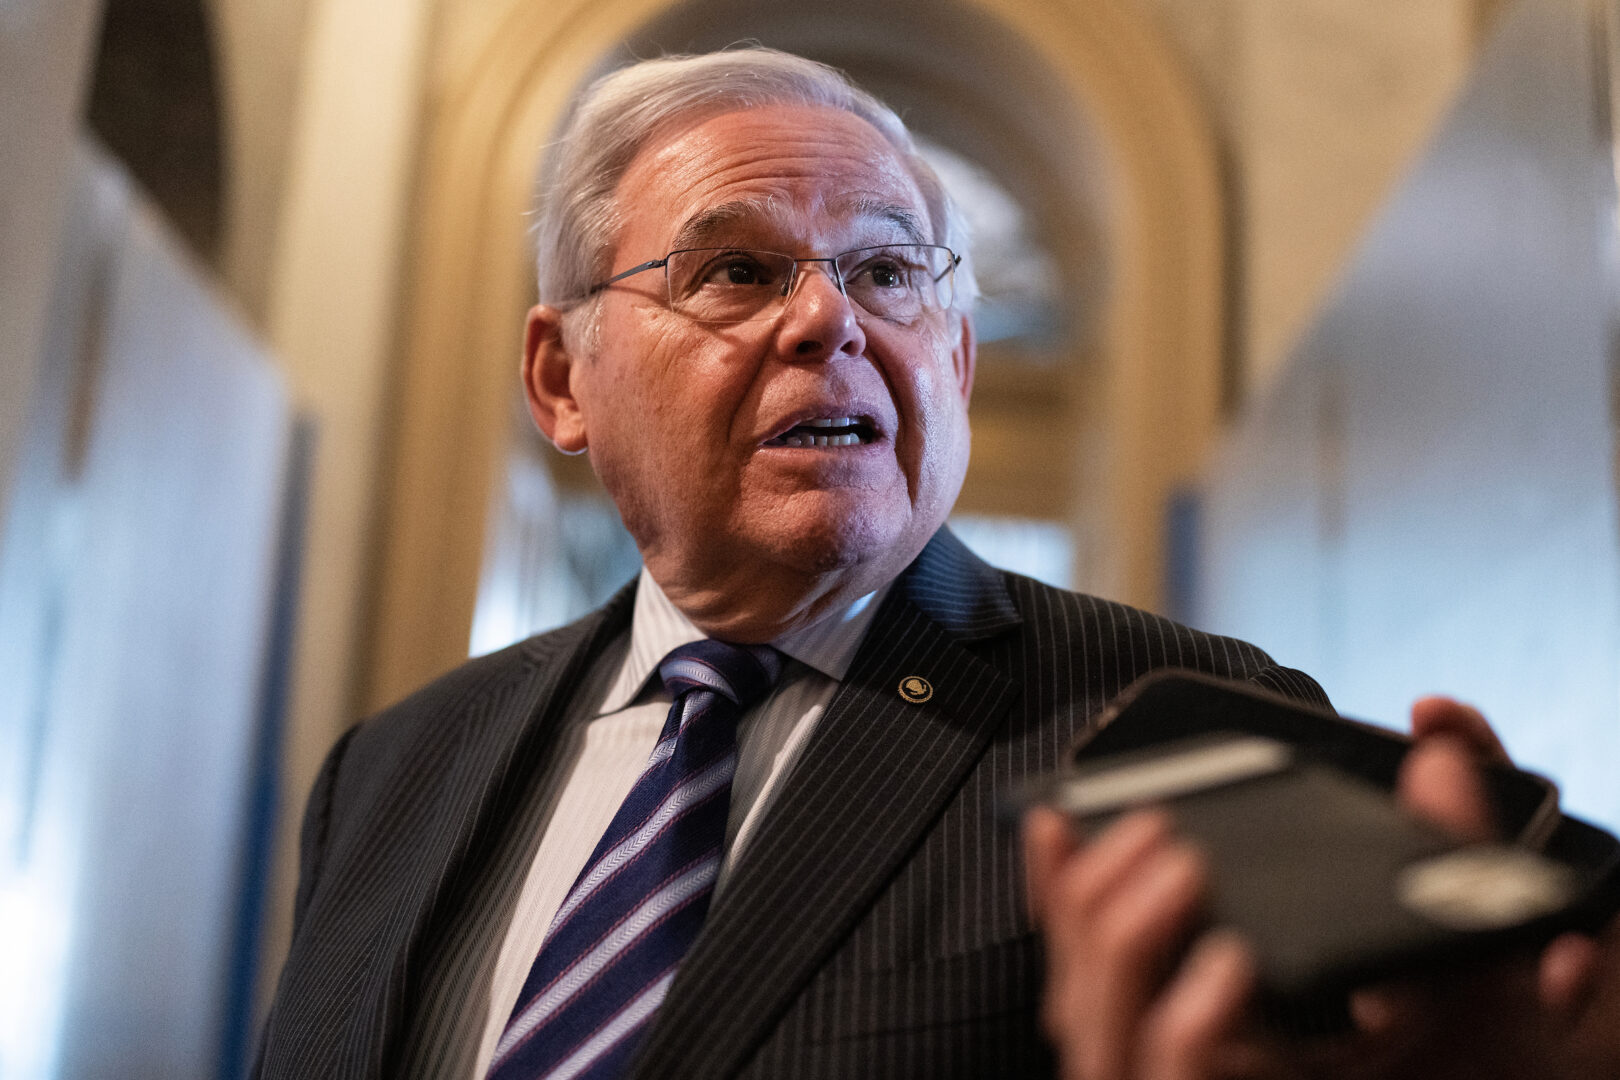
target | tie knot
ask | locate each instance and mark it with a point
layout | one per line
(741, 673)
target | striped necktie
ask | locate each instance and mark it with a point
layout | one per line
(612, 949)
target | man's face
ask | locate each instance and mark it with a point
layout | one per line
(697, 430)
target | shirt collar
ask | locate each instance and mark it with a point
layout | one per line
(658, 626)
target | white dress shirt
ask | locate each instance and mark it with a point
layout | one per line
(617, 742)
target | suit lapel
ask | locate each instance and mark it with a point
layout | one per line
(453, 831)
(877, 772)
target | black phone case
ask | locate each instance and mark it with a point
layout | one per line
(1311, 858)
(1174, 704)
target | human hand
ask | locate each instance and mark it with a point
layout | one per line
(1579, 984)
(1118, 911)
(1556, 1015)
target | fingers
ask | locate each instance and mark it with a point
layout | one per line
(1440, 783)
(1049, 841)
(1381, 1010)
(1579, 983)
(1568, 973)
(1440, 779)
(1115, 909)
(1116, 913)
(1141, 919)
(1189, 1035)
(1438, 716)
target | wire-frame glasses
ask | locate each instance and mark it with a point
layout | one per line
(899, 282)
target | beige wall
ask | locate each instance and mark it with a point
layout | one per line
(332, 312)
(45, 52)
(261, 57)
(1425, 499)
(1321, 106)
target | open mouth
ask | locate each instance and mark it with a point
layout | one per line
(827, 431)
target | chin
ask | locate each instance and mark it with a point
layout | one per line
(834, 542)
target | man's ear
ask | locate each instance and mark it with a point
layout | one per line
(964, 356)
(548, 380)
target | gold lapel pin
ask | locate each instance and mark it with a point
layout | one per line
(916, 689)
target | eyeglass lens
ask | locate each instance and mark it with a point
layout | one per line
(730, 285)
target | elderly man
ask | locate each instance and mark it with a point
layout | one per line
(742, 820)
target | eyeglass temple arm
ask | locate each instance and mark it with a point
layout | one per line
(652, 265)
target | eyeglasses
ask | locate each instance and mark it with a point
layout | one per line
(735, 285)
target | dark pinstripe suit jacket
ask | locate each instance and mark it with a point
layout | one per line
(876, 928)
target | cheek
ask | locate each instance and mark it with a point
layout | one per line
(937, 418)
(671, 401)
(936, 460)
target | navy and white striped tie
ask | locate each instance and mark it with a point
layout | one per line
(612, 949)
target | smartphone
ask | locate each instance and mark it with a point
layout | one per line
(1168, 705)
(1311, 857)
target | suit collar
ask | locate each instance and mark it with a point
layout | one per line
(658, 626)
(958, 590)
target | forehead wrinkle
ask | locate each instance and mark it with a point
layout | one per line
(707, 226)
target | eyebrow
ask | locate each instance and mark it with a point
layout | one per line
(907, 220)
(702, 228)
(706, 226)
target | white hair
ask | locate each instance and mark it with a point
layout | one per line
(576, 218)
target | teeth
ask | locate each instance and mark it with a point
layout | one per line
(851, 439)
(850, 431)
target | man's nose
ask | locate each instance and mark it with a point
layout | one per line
(819, 320)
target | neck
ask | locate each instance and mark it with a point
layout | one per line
(750, 608)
